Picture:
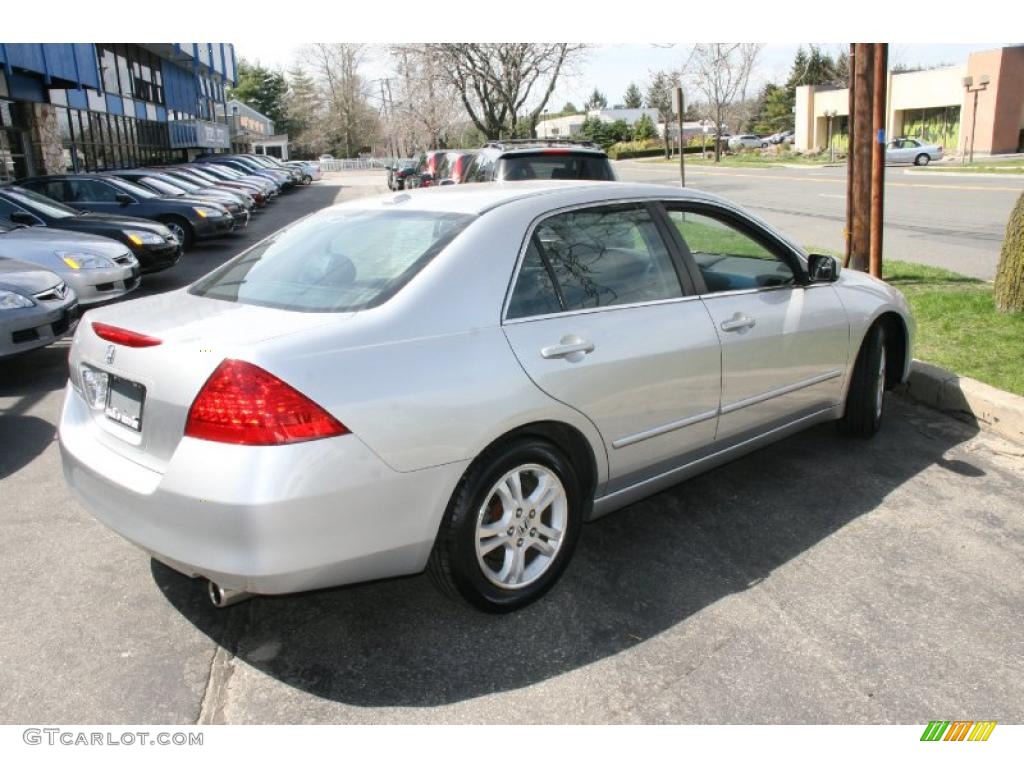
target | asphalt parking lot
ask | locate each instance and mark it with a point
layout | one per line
(820, 580)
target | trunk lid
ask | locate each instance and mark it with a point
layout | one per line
(195, 335)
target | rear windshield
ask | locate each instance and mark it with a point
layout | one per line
(554, 165)
(342, 262)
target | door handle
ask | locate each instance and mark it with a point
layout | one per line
(572, 348)
(738, 322)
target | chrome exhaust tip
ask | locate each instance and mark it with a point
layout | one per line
(222, 597)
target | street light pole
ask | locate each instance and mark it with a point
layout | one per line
(968, 82)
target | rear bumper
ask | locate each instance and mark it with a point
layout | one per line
(267, 520)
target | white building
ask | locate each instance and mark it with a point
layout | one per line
(570, 126)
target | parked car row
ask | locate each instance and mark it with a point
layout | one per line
(78, 239)
(505, 160)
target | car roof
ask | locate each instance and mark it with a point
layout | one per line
(480, 198)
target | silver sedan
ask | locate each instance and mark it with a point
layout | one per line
(912, 151)
(97, 268)
(457, 379)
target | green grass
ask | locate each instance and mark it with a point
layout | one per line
(1011, 168)
(958, 326)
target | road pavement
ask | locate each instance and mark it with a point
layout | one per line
(945, 221)
(820, 580)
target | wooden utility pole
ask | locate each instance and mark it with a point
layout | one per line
(861, 147)
(881, 56)
(851, 102)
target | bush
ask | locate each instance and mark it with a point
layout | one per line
(1009, 287)
(627, 150)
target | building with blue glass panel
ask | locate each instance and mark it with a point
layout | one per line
(95, 106)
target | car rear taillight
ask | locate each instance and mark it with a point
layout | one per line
(123, 336)
(554, 151)
(243, 404)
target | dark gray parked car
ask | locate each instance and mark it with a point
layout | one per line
(36, 307)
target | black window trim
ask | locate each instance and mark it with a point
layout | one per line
(781, 249)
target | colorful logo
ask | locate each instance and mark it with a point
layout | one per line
(958, 730)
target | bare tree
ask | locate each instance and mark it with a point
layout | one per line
(659, 97)
(502, 86)
(350, 118)
(721, 73)
(426, 107)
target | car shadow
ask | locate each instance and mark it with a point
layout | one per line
(635, 574)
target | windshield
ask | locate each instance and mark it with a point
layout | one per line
(192, 173)
(163, 187)
(39, 204)
(179, 182)
(339, 262)
(133, 188)
(554, 165)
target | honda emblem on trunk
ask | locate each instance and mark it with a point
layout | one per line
(110, 354)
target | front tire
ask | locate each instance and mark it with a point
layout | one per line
(865, 400)
(922, 159)
(510, 528)
(181, 230)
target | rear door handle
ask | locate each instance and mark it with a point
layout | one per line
(572, 348)
(738, 322)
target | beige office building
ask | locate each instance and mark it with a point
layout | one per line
(932, 105)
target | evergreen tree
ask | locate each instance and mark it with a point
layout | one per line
(633, 98)
(643, 129)
(264, 90)
(569, 109)
(596, 100)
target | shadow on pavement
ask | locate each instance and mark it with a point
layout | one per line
(636, 573)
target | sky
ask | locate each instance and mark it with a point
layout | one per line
(611, 67)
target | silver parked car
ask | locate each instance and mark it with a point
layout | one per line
(36, 307)
(746, 141)
(97, 268)
(457, 379)
(912, 151)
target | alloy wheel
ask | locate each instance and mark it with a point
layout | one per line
(521, 526)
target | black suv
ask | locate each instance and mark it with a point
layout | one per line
(189, 220)
(539, 159)
(151, 243)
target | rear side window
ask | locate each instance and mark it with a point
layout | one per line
(341, 262)
(598, 257)
(554, 164)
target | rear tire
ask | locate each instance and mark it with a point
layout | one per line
(866, 397)
(510, 528)
(922, 159)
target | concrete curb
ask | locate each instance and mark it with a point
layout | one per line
(967, 399)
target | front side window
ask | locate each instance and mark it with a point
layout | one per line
(87, 191)
(597, 257)
(40, 204)
(728, 258)
(342, 262)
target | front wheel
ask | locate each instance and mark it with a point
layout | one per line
(866, 397)
(181, 230)
(510, 528)
(922, 159)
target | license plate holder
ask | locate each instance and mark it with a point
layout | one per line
(125, 402)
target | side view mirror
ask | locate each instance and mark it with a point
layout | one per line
(124, 199)
(21, 217)
(822, 269)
